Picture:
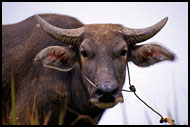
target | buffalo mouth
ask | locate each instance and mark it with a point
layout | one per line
(106, 95)
(107, 101)
(105, 105)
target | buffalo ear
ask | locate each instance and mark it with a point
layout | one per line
(57, 57)
(149, 54)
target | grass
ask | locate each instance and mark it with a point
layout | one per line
(34, 120)
(33, 116)
(61, 117)
(13, 100)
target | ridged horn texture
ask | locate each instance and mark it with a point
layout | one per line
(138, 35)
(68, 36)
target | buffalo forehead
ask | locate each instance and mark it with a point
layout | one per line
(103, 34)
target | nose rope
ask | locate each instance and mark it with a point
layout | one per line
(89, 80)
(133, 89)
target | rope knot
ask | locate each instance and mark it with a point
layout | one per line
(132, 88)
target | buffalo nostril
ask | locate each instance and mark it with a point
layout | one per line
(106, 92)
(99, 92)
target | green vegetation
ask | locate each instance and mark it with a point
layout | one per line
(13, 101)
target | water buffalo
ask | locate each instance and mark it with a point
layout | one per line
(62, 66)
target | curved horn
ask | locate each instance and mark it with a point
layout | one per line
(68, 36)
(138, 35)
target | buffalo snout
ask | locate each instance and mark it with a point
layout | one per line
(106, 92)
(106, 95)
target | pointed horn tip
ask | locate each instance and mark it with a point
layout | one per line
(39, 19)
(164, 20)
(36, 16)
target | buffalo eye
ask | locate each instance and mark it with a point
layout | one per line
(123, 52)
(83, 53)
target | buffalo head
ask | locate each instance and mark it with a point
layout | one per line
(101, 51)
